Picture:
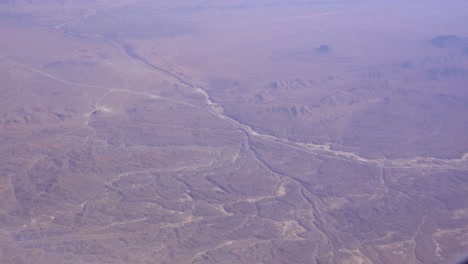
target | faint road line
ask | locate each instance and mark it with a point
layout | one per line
(98, 86)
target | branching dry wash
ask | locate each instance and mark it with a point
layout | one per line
(233, 131)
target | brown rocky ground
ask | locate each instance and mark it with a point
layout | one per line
(233, 132)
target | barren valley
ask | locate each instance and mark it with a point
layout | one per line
(260, 131)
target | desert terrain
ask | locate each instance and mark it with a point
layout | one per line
(243, 131)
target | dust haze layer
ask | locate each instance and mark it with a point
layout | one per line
(139, 131)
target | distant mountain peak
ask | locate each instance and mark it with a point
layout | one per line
(447, 41)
